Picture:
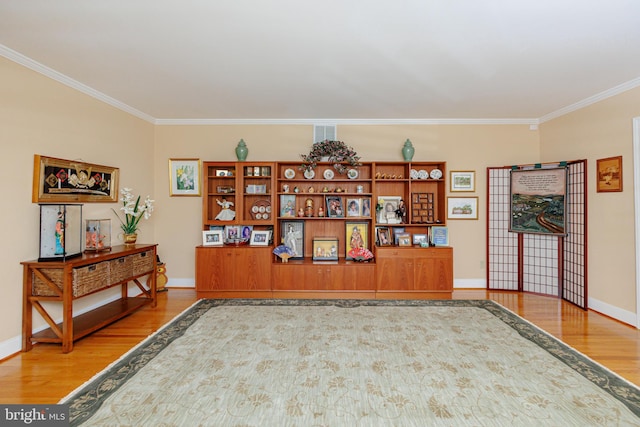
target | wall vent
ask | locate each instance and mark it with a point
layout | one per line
(324, 132)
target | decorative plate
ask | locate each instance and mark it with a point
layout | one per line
(328, 174)
(422, 174)
(436, 174)
(309, 174)
(261, 209)
(413, 174)
(289, 173)
(352, 173)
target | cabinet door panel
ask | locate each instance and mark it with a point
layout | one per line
(395, 274)
(252, 269)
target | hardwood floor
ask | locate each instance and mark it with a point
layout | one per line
(45, 375)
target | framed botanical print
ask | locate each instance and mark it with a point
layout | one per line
(184, 177)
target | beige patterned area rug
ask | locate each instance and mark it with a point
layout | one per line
(353, 363)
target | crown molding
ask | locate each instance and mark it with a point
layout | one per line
(631, 84)
(65, 80)
(196, 122)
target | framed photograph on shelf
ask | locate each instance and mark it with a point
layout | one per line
(366, 207)
(260, 237)
(354, 207)
(462, 181)
(396, 232)
(293, 237)
(72, 181)
(212, 238)
(609, 176)
(232, 232)
(325, 249)
(245, 233)
(384, 239)
(404, 239)
(184, 177)
(357, 237)
(287, 205)
(420, 239)
(440, 236)
(462, 207)
(334, 206)
(390, 204)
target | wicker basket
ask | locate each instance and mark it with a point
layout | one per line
(40, 288)
(120, 269)
(142, 263)
(90, 278)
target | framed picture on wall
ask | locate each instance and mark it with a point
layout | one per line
(72, 181)
(609, 172)
(462, 208)
(184, 177)
(461, 181)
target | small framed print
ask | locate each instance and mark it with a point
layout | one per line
(222, 172)
(366, 207)
(212, 238)
(404, 239)
(462, 181)
(609, 172)
(325, 249)
(357, 236)
(334, 206)
(420, 239)
(384, 239)
(354, 207)
(260, 237)
(462, 208)
(184, 177)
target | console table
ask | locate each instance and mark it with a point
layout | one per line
(65, 281)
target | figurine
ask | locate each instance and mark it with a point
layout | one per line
(401, 212)
(226, 214)
(59, 233)
(321, 212)
(300, 212)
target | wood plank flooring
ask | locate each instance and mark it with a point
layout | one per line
(45, 375)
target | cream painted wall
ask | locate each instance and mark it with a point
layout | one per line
(463, 147)
(41, 116)
(603, 130)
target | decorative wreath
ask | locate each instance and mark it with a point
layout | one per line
(338, 153)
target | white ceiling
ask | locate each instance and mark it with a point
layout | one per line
(332, 60)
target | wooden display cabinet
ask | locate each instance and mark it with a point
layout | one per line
(251, 194)
(403, 272)
(291, 182)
